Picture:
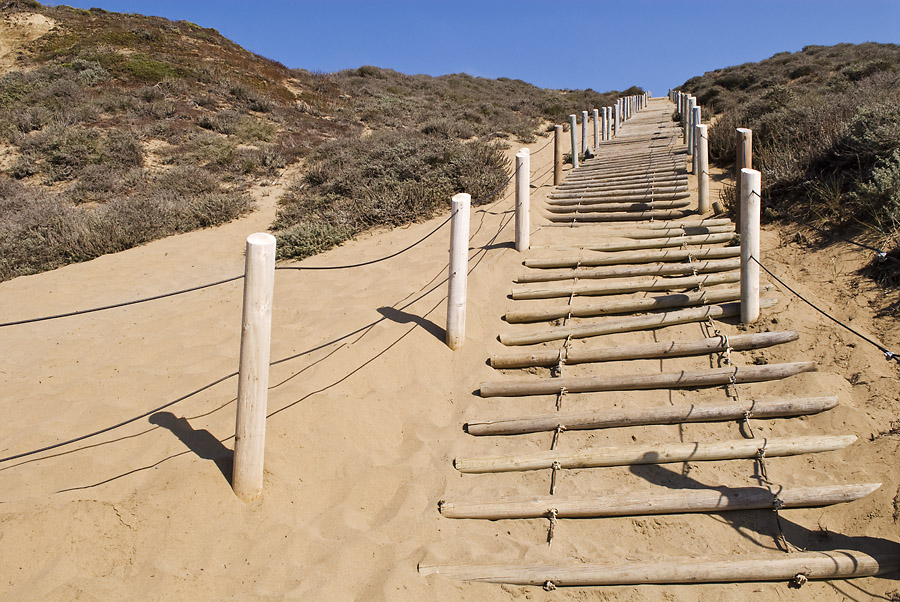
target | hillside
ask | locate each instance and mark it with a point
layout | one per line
(826, 128)
(116, 129)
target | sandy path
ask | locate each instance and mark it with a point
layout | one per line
(368, 404)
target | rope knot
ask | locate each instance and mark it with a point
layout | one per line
(549, 586)
(798, 581)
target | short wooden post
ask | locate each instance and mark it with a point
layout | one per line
(695, 120)
(585, 129)
(606, 123)
(523, 220)
(573, 126)
(557, 154)
(750, 204)
(459, 270)
(743, 160)
(702, 157)
(253, 373)
(596, 115)
(616, 121)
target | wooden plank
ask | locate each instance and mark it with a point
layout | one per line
(624, 216)
(621, 271)
(613, 207)
(662, 349)
(652, 502)
(617, 286)
(630, 324)
(656, 453)
(624, 417)
(711, 377)
(595, 258)
(838, 564)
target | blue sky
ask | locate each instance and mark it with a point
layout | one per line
(656, 44)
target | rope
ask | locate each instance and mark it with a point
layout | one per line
(551, 514)
(888, 355)
(123, 304)
(882, 255)
(556, 466)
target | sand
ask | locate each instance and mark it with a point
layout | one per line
(367, 405)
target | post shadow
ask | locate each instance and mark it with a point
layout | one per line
(795, 534)
(402, 317)
(201, 442)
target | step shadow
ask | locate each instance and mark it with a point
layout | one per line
(201, 441)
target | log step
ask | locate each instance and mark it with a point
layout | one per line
(610, 207)
(838, 564)
(649, 269)
(617, 286)
(658, 453)
(617, 255)
(646, 503)
(629, 324)
(685, 413)
(712, 377)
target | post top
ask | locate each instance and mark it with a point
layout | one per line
(261, 239)
(462, 197)
(749, 172)
(744, 130)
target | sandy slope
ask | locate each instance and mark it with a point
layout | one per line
(368, 404)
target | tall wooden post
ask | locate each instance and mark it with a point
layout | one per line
(573, 126)
(750, 206)
(695, 120)
(596, 115)
(702, 157)
(253, 373)
(459, 270)
(557, 154)
(616, 119)
(585, 129)
(523, 220)
(743, 160)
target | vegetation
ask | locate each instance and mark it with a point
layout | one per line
(826, 128)
(119, 128)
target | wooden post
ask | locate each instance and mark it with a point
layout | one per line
(253, 373)
(750, 185)
(523, 221)
(596, 115)
(573, 125)
(585, 129)
(557, 154)
(689, 125)
(607, 130)
(459, 270)
(617, 117)
(695, 120)
(744, 147)
(702, 170)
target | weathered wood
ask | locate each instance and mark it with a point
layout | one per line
(610, 256)
(557, 154)
(664, 180)
(574, 136)
(610, 207)
(618, 286)
(629, 324)
(523, 205)
(750, 214)
(459, 270)
(711, 377)
(838, 564)
(629, 231)
(719, 499)
(622, 306)
(703, 170)
(617, 193)
(626, 216)
(636, 416)
(620, 271)
(655, 453)
(662, 349)
(649, 227)
(253, 373)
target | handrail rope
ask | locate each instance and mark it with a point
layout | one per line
(888, 355)
(878, 252)
(123, 304)
(168, 404)
(233, 278)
